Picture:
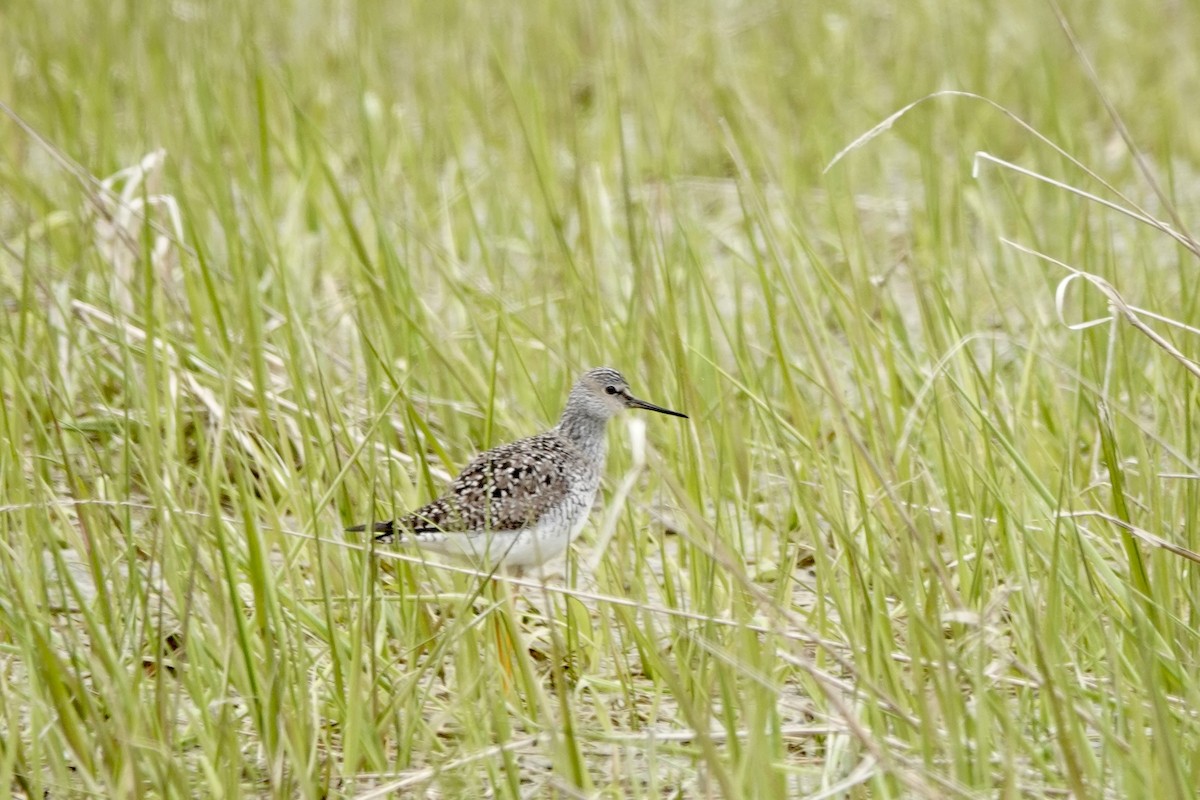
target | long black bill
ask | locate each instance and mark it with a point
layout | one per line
(635, 403)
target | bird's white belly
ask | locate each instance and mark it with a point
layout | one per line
(527, 547)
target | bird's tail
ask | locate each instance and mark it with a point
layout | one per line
(384, 531)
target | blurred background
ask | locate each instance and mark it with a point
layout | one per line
(273, 269)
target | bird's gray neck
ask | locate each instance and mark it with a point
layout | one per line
(586, 431)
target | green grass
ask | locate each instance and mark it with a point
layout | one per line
(919, 538)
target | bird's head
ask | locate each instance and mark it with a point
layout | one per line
(604, 392)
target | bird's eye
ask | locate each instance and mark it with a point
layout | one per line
(610, 389)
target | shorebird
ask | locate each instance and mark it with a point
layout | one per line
(520, 504)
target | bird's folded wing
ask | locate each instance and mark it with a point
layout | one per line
(505, 489)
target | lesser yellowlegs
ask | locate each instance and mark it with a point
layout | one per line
(519, 504)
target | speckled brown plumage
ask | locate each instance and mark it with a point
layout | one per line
(507, 488)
